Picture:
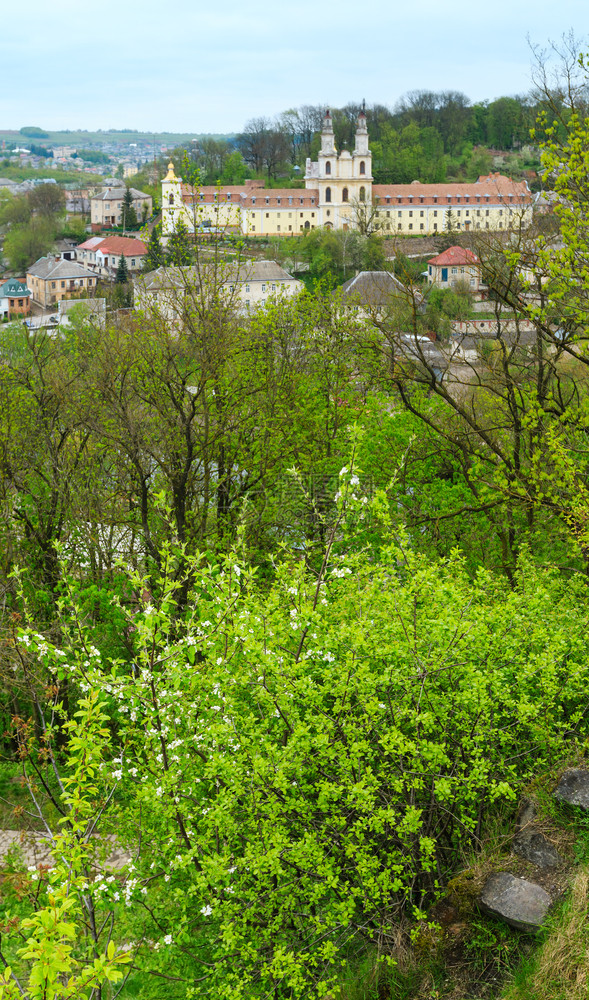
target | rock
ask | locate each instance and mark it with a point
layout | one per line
(532, 845)
(520, 903)
(573, 788)
(526, 813)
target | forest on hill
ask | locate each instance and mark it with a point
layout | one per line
(289, 623)
(427, 136)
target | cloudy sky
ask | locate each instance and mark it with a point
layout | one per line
(189, 66)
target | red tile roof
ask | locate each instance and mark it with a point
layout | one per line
(490, 190)
(454, 255)
(250, 196)
(126, 245)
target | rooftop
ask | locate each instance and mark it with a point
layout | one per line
(54, 267)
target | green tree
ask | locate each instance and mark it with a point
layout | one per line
(122, 275)
(47, 199)
(179, 250)
(128, 210)
(155, 256)
(25, 244)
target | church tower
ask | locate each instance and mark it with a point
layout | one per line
(362, 159)
(172, 208)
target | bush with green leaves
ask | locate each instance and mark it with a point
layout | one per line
(302, 764)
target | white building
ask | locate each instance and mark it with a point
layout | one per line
(244, 286)
(339, 193)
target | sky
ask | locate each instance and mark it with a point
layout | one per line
(185, 66)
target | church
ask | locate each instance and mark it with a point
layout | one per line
(339, 193)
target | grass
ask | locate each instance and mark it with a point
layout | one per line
(559, 969)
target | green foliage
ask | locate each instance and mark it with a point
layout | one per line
(337, 740)
(128, 209)
(34, 132)
(155, 256)
(122, 275)
(24, 244)
(179, 251)
(49, 965)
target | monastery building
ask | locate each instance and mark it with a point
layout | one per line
(339, 193)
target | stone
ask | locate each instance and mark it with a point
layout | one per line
(516, 901)
(573, 788)
(526, 813)
(534, 846)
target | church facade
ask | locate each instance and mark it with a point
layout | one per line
(339, 193)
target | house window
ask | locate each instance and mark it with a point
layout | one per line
(53, 284)
(454, 270)
(62, 284)
(263, 288)
(247, 288)
(345, 194)
(362, 194)
(398, 225)
(410, 215)
(399, 214)
(328, 167)
(267, 215)
(277, 229)
(362, 167)
(328, 194)
(435, 225)
(421, 225)
(132, 262)
(171, 199)
(410, 225)
(435, 213)
(421, 214)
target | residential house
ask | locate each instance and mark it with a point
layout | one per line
(103, 253)
(52, 279)
(457, 264)
(15, 299)
(375, 292)
(106, 207)
(339, 193)
(243, 286)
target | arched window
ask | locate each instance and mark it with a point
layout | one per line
(362, 167)
(171, 199)
(345, 194)
(362, 194)
(328, 194)
(328, 167)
